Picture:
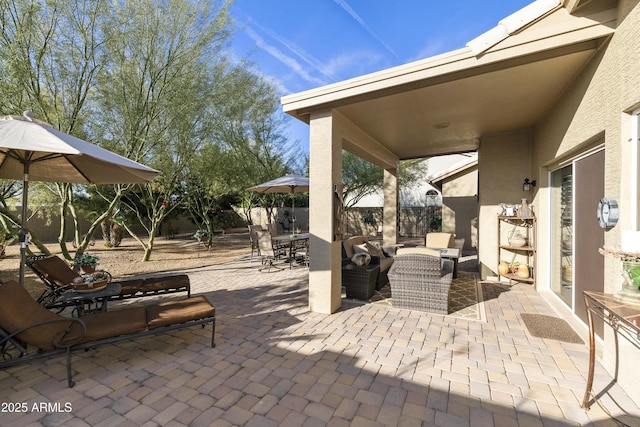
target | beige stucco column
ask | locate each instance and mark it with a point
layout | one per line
(390, 209)
(325, 171)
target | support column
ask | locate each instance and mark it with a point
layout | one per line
(325, 171)
(390, 225)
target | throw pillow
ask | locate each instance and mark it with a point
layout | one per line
(358, 249)
(374, 250)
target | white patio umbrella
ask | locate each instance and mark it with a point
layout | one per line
(290, 183)
(31, 149)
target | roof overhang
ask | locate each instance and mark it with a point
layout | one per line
(455, 169)
(446, 103)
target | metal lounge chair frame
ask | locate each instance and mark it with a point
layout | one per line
(25, 324)
(58, 276)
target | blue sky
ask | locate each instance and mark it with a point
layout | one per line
(304, 44)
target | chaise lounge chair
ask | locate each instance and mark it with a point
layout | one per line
(28, 331)
(57, 276)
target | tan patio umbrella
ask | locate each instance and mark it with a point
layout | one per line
(291, 183)
(31, 149)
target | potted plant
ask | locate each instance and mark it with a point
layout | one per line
(513, 267)
(86, 263)
(203, 236)
(630, 291)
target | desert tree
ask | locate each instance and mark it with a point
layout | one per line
(50, 55)
(361, 178)
(165, 60)
(250, 130)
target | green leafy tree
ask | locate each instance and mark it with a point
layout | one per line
(361, 178)
(157, 91)
(249, 144)
(150, 81)
(50, 54)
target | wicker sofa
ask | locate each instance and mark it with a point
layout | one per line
(421, 280)
(349, 249)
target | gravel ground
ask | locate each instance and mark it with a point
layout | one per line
(180, 253)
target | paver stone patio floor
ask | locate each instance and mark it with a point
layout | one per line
(277, 364)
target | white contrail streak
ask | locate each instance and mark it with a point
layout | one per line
(282, 57)
(299, 52)
(343, 4)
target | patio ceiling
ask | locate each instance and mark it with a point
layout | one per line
(452, 116)
(445, 104)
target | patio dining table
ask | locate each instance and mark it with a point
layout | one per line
(294, 240)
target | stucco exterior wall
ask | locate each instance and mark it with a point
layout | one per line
(594, 110)
(460, 206)
(504, 161)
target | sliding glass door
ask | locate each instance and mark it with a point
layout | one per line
(562, 234)
(576, 264)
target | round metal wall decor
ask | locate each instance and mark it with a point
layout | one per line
(607, 213)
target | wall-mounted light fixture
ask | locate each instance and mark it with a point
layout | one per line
(528, 185)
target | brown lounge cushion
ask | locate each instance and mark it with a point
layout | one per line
(129, 321)
(56, 270)
(23, 318)
(172, 312)
(153, 284)
(13, 303)
(108, 324)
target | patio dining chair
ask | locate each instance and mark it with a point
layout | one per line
(301, 254)
(273, 229)
(268, 251)
(253, 237)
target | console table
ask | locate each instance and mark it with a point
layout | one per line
(623, 317)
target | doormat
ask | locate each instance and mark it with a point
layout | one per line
(550, 327)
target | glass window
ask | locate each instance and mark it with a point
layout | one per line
(562, 233)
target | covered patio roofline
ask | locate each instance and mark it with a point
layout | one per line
(578, 35)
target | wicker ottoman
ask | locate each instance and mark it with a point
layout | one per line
(360, 282)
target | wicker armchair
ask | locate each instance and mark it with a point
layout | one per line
(421, 282)
(439, 240)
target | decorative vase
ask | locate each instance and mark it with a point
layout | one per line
(523, 271)
(525, 211)
(630, 291)
(503, 267)
(361, 259)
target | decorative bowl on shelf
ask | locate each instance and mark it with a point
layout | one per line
(90, 286)
(517, 242)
